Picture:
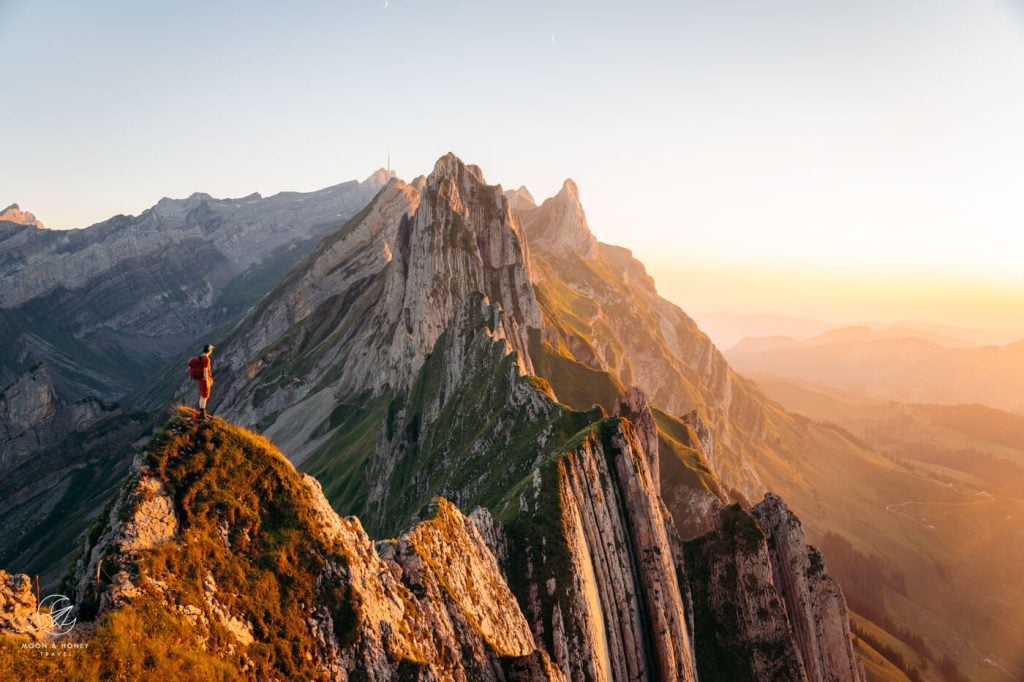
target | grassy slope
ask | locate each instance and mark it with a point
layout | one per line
(875, 663)
(877, 667)
(580, 386)
(340, 463)
(218, 475)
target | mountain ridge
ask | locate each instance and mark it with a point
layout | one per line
(14, 214)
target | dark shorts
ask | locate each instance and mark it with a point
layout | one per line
(204, 388)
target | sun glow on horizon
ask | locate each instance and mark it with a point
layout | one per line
(842, 296)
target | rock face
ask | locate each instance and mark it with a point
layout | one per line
(18, 615)
(814, 602)
(559, 225)
(367, 307)
(633, 406)
(14, 214)
(520, 199)
(737, 607)
(141, 518)
(757, 587)
(32, 418)
(624, 616)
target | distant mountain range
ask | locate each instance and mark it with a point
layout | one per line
(901, 364)
(728, 329)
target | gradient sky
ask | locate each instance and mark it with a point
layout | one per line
(845, 160)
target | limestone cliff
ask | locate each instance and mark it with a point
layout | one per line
(615, 610)
(759, 589)
(364, 311)
(814, 602)
(559, 225)
(32, 417)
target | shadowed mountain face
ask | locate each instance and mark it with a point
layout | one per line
(87, 316)
(104, 306)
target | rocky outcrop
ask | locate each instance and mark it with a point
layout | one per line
(14, 214)
(432, 603)
(140, 519)
(446, 563)
(18, 614)
(742, 631)
(814, 601)
(520, 200)
(764, 608)
(559, 225)
(626, 615)
(28, 402)
(633, 406)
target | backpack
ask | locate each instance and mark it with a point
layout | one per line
(195, 369)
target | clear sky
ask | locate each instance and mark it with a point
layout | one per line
(866, 157)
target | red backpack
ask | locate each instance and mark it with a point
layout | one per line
(195, 369)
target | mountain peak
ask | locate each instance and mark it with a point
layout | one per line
(570, 190)
(560, 226)
(520, 199)
(452, 166)
(379, 177)
(14, 214)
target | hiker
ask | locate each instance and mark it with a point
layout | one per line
(200, 370)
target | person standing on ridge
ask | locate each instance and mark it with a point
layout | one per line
(200, 369)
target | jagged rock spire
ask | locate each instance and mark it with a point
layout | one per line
(633, 406)
(521, 200)
(560, 225)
